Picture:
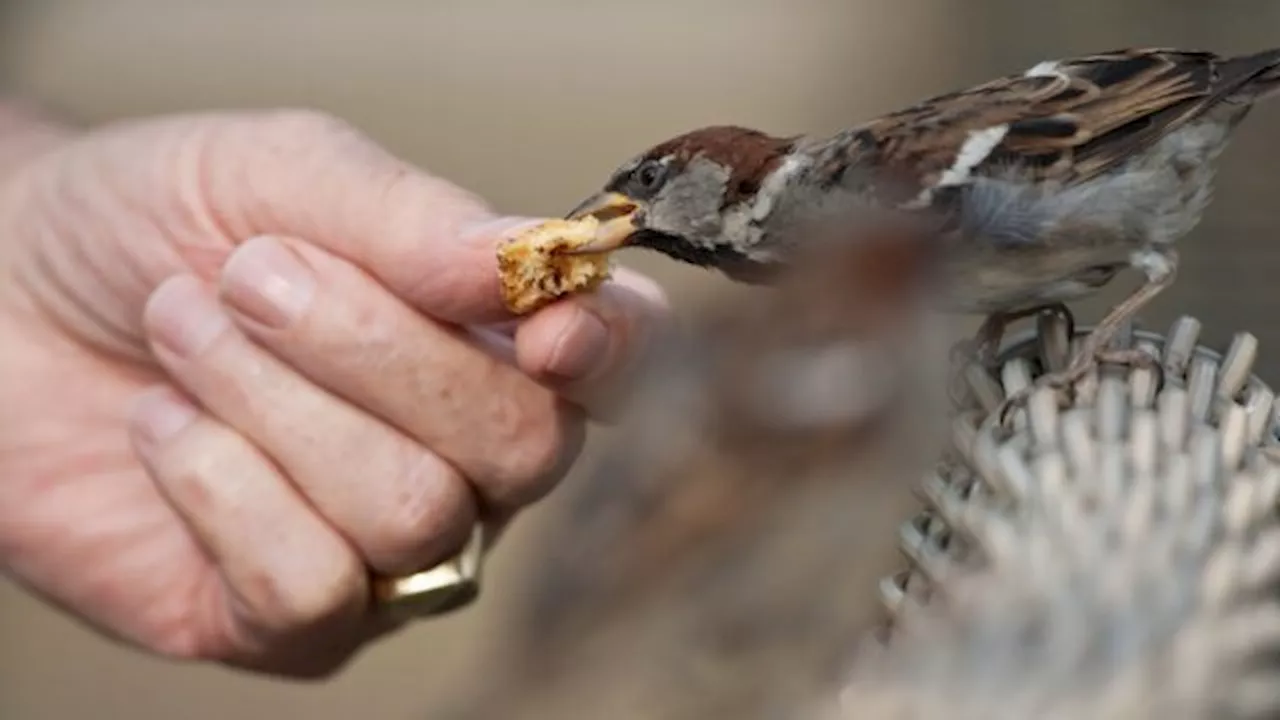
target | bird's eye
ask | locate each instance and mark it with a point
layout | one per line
(649, 175)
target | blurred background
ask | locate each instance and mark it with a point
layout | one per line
(532, 104)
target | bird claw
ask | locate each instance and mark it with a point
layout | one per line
(1134, 358)
(961, 355)
(1010, 404)
(965, 351)
(1065, 381)
(984, 347)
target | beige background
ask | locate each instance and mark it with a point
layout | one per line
(478, 91)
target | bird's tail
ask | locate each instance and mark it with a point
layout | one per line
(1249, 78)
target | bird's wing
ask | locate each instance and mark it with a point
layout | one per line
(1064, 121)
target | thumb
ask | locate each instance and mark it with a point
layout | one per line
(312, 176)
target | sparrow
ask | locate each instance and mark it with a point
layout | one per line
(1042, 185)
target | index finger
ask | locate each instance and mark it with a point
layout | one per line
(308, 175)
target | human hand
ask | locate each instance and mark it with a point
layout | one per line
(249, 358)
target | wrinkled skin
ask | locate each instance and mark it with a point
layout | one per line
(202, 473)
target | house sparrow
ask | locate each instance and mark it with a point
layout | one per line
(1044, 185)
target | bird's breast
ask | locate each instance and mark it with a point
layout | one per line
(985, 282)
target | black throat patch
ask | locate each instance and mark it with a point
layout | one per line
(735, 265)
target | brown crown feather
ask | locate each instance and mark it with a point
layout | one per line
(749, 155)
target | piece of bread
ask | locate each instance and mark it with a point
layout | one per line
(535, 271)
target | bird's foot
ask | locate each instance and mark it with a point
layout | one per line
(965, 351)
(983, 348)
(1062, 382)
(1083, 362)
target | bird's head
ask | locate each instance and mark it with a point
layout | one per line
(704, 197)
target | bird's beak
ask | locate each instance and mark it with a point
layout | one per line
(619, 218)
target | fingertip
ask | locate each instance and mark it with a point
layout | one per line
(564, 343)
(463, 286)
(585, 346)
(650, 292)
(635, 306)
(582, 337)
(492, 231)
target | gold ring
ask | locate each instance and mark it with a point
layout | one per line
(449, 586)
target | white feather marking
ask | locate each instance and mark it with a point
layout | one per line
(976, 147)
(775, 184)
(1048, 68)
(740, 223)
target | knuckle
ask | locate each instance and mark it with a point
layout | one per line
(430, 509)
(329, 592)
(190, 465)
(398, 181)
(308, 601)
(190, 471)
(304, 125)
(183, 643)
(177, 630)
(538, 439)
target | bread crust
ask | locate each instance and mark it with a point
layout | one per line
(535, 270)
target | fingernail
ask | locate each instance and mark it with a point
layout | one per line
(185, 317)
(160, 414)
(498, 228)
(268, 282)
(581, 349)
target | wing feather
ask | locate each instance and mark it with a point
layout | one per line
(1068, 120)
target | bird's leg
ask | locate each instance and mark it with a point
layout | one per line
(985, 343)
(1160, 268)
(979, 347)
